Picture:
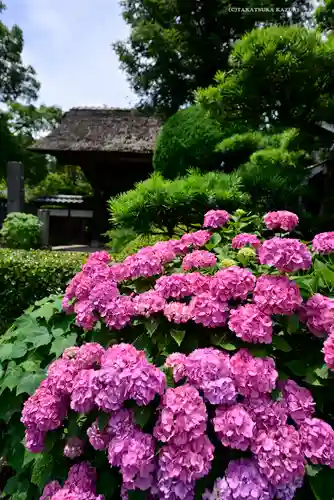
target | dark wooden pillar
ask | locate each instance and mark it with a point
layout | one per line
(15, 187)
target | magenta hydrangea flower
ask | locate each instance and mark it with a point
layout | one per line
(323, 243)
(177, 361)
(196, 239)
(298, 400)
(234, 427)
(183, 416)
(81, 478)
(50, 489)
(243, 481)
(279, 454)
(61, 376)
(245, 239)
(84, 391)
(216, 218)
(34, 440)
(282, 219)
(277, 295)
(89, 355)
(198, 283)
(232, 283)
(181, 466)
(253, 376)
(328, 350)
(74, 448)
(97, 438)
(166, 250)
(265, 412)
(208, 311)
(148, 303)
(177, 312)
(317, 438)
(288, 491)
(85, 317)
(174, 286)
(286, 254)
(117, 313)
(251, 324)
(318, 314)
(198, 259)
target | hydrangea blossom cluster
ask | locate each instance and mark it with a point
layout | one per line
(318, 314)
(198, 259)
(216, 218)
(286, 254)
(328, 350)
(323, 243)
(282, 220)
(277, 295)
(80, 484)
(245, 239)
(251, 324)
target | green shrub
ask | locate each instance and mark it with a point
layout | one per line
(187, 139)
(27, 276)
(21, 230)
(160, 204)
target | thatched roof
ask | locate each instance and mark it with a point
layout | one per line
(102, 129)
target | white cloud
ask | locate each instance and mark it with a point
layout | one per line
(69, 43)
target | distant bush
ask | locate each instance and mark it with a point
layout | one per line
(21, 230)
(187, 139)
(161, 205)
(29, 276)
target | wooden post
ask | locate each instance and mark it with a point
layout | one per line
(44, 217)
(15, 187)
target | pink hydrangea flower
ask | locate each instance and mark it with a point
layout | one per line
(265, 412)
(242, 481)
(234, 427)
(85, 317)
(177, 312)
(74, 448)
(282, 219)
(250, 324)
(148, 303)
(89, 355)
(286, 254)
(145, 263)
(317, 438)
(323, 243)
(84, 391)
(183, 416)
(177, 361)
(253, 376)
(232, 283)
(298, 400)
(279, 454)
(318, 314)
(118, 312)
(34, 440)
(61, 375)
(198, 283)
(196, 239)
(166, 251)
(198, 259)
(216, 218)
(50, 490)
(328, 350)
(243, 239)
(175, 286)
(277, 295)
(208, 311)
(97, 438)
(81, 478)
(288, 491)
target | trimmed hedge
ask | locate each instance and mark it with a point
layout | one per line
(27, 276)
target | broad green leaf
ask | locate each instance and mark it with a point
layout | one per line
(102, 420)
(29, 382)
(6, 351)
(297, 367)
(322, 372)
(46, 311)
(30, 366)
(221, 341)
(293, 323)
(313, 470)
(107, 482)
(281, 344)
(258, 352)
(151, 325)
(19, 350)
(57, 332)
(142, 415)
(12, 377)
(321, 484)
(177, 335)
(15, 455)
(2, 371)
(28, 457)
(39, 337)
(10, 404)
(227, 346)
(137, 495)
(42, 470)
(215, 239)
(61, 343)
(13, 484)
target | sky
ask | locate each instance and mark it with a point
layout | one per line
(69, 43)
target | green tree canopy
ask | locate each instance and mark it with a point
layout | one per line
(176, 46)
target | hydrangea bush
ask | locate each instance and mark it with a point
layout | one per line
(211, 376)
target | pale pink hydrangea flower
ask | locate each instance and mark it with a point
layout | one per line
(277, 295)
(216, 218)
(61, 375)
(318, 313)
(85, 317)
(234, 427)
(328, 350)
(74, 448)
(243, 239)
(177, 312)
(282, 219)
(323, 243)
(196, 239)
(279, 454)
(286, 254)
(183, 416)
(198, 259)
(317, 438)
(298, 400)
(198, 283)
(174, 286)
(253, 376)
(208, 311)
(148, 303)
(250, 324)
(232, 283)
(177, 361)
